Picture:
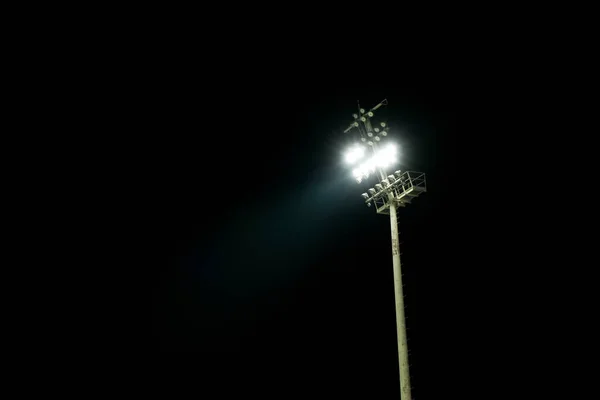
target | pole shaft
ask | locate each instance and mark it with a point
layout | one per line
(400, 320)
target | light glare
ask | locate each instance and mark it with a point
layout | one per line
(385, 157)
(355, 154)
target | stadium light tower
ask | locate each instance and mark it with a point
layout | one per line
(370, 156)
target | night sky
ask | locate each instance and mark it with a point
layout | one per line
(271, 275)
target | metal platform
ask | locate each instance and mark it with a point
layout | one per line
(408, 186)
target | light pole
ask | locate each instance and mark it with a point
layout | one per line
(391, 192)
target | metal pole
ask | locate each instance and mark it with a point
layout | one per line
(400, 323)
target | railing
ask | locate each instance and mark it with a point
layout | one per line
(409, 181)
(401, 187)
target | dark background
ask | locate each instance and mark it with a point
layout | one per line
(267, 275)
(270, 276)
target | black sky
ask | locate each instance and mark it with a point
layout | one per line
(268, 268)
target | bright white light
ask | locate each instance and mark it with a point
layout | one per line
(354, 154)
(368, 166)
(384, 157)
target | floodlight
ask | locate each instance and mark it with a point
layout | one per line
(386, 196)
(355, 153)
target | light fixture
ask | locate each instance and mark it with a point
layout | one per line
(355, 153)
(386, 199)
(382, 158)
